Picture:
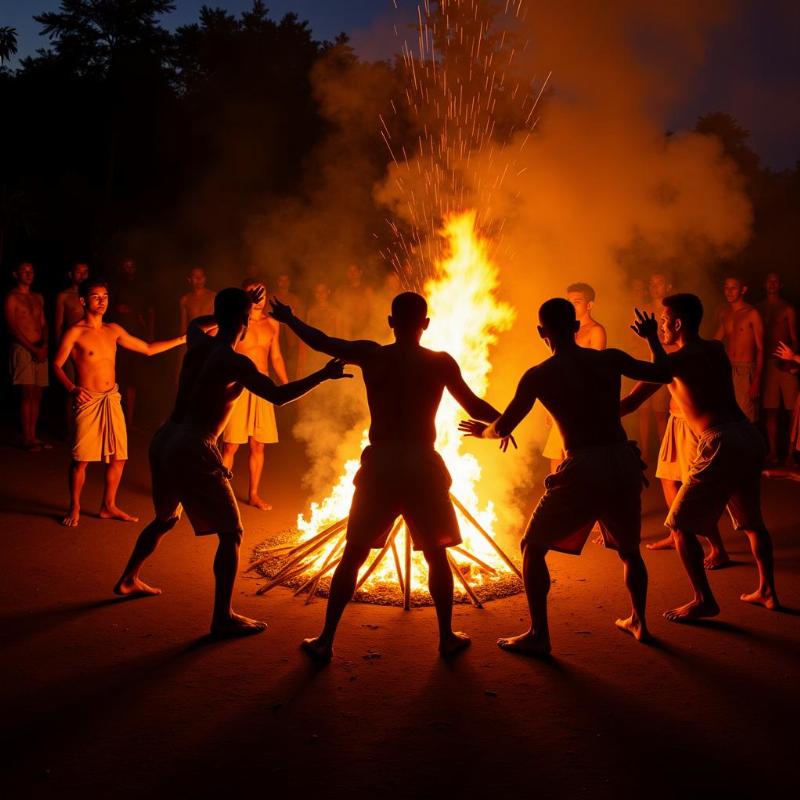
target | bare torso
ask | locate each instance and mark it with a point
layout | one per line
(198, 304)
(591, 334)
(702, 385)
(257, 342)
(405, 383)
(72, 308)
(94, 355)
(738, 334)
(777, 315)
(580, 388)
(27, 311)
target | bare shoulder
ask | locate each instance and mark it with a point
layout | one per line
(113, 329)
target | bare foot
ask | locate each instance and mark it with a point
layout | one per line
(454, 644)
(635, 628)
(691, 611)
(662, 544)
(114, 512)
(317, 649)
(716, 561)
(526, 644)
(71, 520)
(257, 502)
(133, 587)
(762, 597)
(42, 444)
(237, 625)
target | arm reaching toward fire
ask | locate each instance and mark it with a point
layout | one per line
(351, 352)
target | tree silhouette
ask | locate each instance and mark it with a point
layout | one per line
(8, 43)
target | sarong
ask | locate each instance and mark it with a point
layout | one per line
(678, 449)
(24, 370)
(251, 416)
(100, 432)
(780, 388)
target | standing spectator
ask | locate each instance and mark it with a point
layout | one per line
(740, 329)
(355, 301)
(324, 315)
(199, 301)
(136, 315)
(24, 310)
(69, 311)
(780, 379)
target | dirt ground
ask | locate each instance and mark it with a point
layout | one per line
(108, 698)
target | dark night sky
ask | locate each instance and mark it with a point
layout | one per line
(752, 67)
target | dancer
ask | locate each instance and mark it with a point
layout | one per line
(591, 334)
(780, 388)
(601, 478)
(726, 471)
(401, 472)
(186, 467)
(252, 420)
(740, 328)
(99, 432)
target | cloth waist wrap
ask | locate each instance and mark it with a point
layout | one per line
(100, 427)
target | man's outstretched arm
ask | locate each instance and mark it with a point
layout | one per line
(474, 406)
(518, 409)
(637, 396)
(259, 384)
(657, 371)
(352, 352)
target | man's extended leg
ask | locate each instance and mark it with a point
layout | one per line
(440, 585)
(635, 574)
(536, 640)
(225, 622)
(109, 508)
(718, 556)
(765, 595)
(343, 585)
(703, 604)
(146, 544)
(256, 464)
(77, 477)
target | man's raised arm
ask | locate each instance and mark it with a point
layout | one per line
(263, 386)
(657, 371)
(351, 352)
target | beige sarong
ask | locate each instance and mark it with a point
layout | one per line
(251, 416)
(678, 449)
(100, 433)
(742, 379)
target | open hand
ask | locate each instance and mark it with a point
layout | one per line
(80, 396)
(256, 294)
(472, 427)
(334, 369)
(645, 324)
(280, 311)
(784, 352)
(506, 440)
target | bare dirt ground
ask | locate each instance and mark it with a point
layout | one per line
(108, 698)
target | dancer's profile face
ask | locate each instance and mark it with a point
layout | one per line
(669, 326)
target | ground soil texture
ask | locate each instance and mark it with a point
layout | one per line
(107, 698)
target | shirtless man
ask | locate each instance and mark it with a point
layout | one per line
(600, 480)
(591, 334)
(401, 473)
(252, 421)
(657, 407)
(740, 328)
(791, 357)
(780, 376)
(186, 467)
(24, 312)
(199, 301)
(99, 432)
(726, 471)
(69, 311)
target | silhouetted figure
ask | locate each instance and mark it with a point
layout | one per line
(198, 301)
(24, 313)
(401, 473)
(324, 315)
(252, 421)
(99, 431)
(601, 478)
(780, 388)
(289, 343)
(740, 328)
(726, 471)
(186, 467)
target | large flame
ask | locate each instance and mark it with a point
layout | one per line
(466, 317)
